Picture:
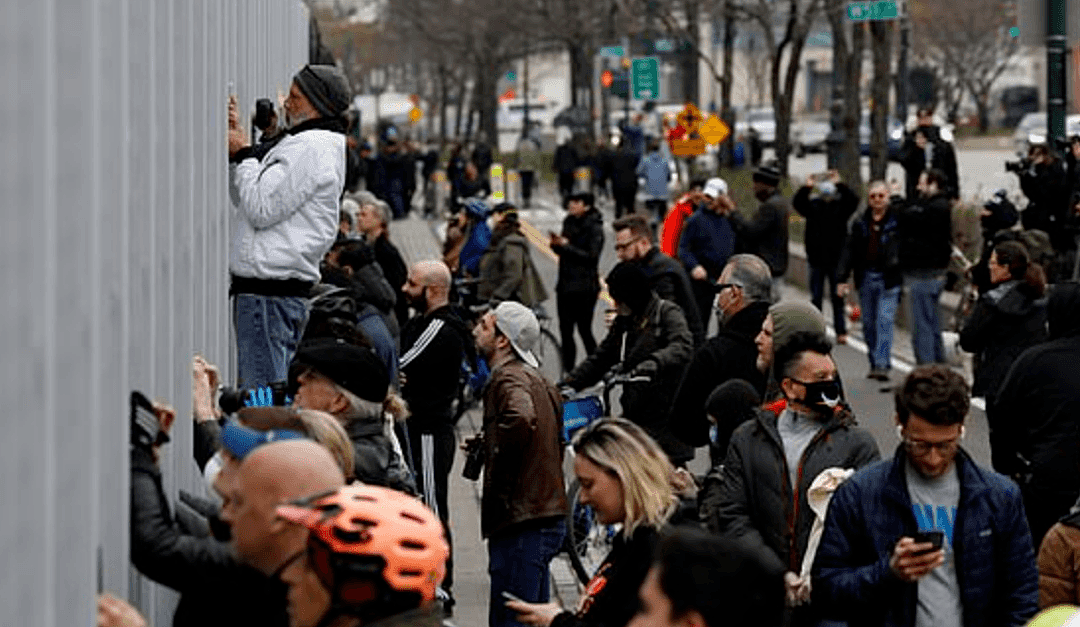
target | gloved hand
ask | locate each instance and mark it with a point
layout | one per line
(647, 368)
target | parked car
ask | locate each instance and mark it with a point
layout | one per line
(894, 138)
(1030, 130)
(762, 120)
(810, 136)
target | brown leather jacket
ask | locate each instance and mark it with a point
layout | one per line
(522, 440)
(1059, 564)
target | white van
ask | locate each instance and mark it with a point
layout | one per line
(511, 114)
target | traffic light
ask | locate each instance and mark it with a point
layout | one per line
(620, 83)
(607, 78)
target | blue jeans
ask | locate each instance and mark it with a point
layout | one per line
(818, 275)
(518, 562)
(878, 313)
(268, 330)
(924, 288)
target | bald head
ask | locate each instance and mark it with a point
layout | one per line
(428, 286)
(273, 474)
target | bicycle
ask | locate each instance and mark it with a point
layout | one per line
(548, 350)
(587, 543)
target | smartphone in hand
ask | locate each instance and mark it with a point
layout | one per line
(936, 538)
(510, 597)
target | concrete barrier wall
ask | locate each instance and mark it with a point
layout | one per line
(114, 242)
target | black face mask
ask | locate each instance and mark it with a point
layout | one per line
(821, 395)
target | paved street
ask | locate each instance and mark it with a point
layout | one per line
(872, 402)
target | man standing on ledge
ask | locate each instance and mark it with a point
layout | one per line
(288, 205)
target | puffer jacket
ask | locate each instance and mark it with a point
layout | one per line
(507, 271)
(1059, 563)
(995, 562)
(750, 495)
(376, 461)
(523, 477)
(659, 334)
(580, 257)
(1006, 321)
(288, 204)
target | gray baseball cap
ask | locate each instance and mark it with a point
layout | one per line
(518, 323)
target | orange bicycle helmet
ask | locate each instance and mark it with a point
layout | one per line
(370, 543)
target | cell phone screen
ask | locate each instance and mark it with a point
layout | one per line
(935, 538)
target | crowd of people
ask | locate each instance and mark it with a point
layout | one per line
(330, 505)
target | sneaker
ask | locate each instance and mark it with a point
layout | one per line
(842, 338)
(878, 374)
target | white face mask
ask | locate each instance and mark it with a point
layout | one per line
(211, 471)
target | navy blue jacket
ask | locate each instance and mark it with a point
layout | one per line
(707, 240)
(995, 560)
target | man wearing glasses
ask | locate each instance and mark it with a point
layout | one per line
(931, 537)
(873, 254)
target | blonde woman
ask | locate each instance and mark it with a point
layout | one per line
(626, 478)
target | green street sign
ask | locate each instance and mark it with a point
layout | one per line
(645, 78)
(611, 51)
(664, 45)
(873, 10)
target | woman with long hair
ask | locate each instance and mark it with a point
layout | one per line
(627, 479)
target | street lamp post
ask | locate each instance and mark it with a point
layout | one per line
(1055, 71)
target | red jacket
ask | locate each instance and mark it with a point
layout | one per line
(673, 226)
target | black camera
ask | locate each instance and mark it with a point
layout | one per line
(1017, 166)
(278, 394)
(264, 113)
(145, 429)
(474, 458)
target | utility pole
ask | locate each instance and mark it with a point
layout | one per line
(525, 91)
(1055, 71)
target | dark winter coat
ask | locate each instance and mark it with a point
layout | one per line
(1035, 415)
(610, 594)
(995, 562)
(766, 234)
(624, 171)
(1006, 321)
(750, 495)
(730, 354)
(201, 568)
(925, 233)
(853, 259)
(660, 334)
(579, 258)
(376, 462)
(1047, 189)
(396, 273)
(669, 280)
(826, 223)
(943, 157)
(707, 240)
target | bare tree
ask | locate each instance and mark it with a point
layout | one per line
(967, 39)
(881, 35)
(785, 26)
(848, 58)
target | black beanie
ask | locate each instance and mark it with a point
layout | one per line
(325, 86)
(355, 368)
(628, 284)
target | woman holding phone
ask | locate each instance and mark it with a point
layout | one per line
(627, 479)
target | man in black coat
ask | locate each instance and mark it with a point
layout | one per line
(766, 234)
(667, 277)
(1035, 417)
(743, 300)
(578, 248)
(827, 205)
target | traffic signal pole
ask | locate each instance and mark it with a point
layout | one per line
(1055, 70)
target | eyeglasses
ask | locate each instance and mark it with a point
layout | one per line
(920, 448)
(625, 245)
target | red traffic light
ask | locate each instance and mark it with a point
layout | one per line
(607, 78)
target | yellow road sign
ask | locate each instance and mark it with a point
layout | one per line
(415, 114)
(688, 147)
(714, 130)
(690, 118)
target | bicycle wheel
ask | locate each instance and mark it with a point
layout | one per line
(587, 542)
(549, 354)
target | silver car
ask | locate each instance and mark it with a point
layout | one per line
(1030, 130)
